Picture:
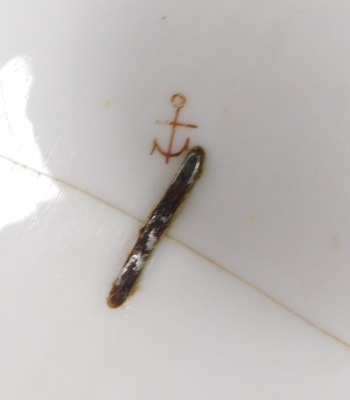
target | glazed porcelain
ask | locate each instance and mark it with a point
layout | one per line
(247, 297)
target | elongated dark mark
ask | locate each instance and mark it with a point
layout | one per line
(159, 220)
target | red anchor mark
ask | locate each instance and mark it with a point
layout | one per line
(178, 100)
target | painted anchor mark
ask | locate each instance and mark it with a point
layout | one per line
(178, 100)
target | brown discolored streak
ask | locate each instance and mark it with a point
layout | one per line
(177, 124)
(178, 100)
(159, 220)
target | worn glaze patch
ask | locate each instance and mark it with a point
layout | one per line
(159, 220)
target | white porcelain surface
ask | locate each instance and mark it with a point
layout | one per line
(190, 331)
(82, 88)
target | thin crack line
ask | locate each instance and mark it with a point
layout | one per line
(261, 291)
(70, 185)
(204, 257)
